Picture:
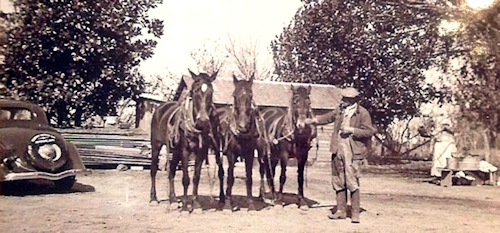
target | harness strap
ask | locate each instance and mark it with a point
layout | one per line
(182, 117)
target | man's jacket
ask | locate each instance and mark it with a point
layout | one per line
(363, 130)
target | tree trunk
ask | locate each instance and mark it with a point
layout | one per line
(78, 117)
(490, 141)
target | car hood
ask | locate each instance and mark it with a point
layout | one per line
(17, 139)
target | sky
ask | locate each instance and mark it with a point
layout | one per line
(188, 23)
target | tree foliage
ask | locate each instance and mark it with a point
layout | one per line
(380, 47)
(77, 57)
(475, 48)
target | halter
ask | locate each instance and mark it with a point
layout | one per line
(257, 122)
(289, 126)
(186, 121)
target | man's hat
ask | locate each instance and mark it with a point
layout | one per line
(349, 92)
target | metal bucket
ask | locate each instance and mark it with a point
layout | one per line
(452, 163)
(470, 162)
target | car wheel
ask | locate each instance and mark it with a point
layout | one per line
(65, 183)
(47, 157)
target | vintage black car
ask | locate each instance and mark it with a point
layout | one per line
(30, 149)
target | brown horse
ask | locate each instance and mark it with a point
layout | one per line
(243, 132)
(188, 128)
(291, 137)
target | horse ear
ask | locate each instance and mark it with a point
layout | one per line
(213, 76)
(252, 77)
(292, 87)
(309, 89)
(195, 77)
(235, 80)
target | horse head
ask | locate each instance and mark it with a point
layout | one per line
(201, 96)
(243, 96)
(300, 108)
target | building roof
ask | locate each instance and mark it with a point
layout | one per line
(152, 97)
(267, 93)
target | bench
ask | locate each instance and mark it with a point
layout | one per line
(480, 178)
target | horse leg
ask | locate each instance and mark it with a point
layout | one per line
(171, 168)
(274, 164)
(283, 163)
(300, 170)
(155, 152)
(230, 180)
(262, 171)
(185, 180)
(265, 169)
(196, 177)
(218, 159)
(249, 181)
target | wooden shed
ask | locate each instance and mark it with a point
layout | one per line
(324, 98)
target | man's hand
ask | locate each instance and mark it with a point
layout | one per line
(346, 130)
(310, 121)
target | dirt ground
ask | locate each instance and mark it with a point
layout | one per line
(118, 201)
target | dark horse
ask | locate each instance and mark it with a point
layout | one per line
(188, 128)
(243, 132)
(291, 137)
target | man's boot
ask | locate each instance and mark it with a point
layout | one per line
(341, 206)
(355, 206)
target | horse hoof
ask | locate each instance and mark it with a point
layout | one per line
(219, 206)
(304, 207)
(196, 205)
(154, 203)
(197, 211)
(187, 207)
(251, 207)
(303, 204)
(173, 206)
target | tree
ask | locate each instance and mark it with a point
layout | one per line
(474, 48)
(210, 58)
(78, 57)
(247, 57)
(161, 85)
(381, 48)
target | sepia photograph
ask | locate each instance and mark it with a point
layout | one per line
(249, 116)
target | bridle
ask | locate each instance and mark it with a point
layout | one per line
(187, 122)
(290, 129)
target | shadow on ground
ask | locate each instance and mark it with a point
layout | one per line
(348, 210)
(39, 187)
(241, 202)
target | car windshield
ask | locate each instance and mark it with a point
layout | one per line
(16, 114)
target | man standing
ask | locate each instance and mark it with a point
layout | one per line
(349, 144)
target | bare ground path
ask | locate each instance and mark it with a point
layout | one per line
(118, 201)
